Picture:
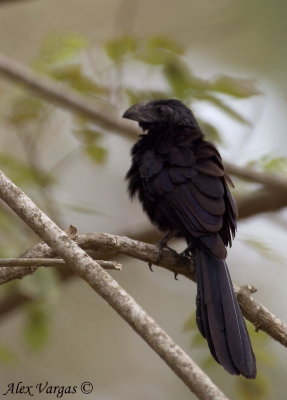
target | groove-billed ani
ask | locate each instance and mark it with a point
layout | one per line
(180, 181)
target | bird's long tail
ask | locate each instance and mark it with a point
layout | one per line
(219, 318)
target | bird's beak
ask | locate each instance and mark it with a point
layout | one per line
(135, 113)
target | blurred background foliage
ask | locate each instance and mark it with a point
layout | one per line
(44, 141)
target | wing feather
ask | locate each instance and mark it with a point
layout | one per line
(209, 185)
(210, 168)
(193, 194)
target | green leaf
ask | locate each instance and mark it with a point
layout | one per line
(36, 326)
(96, 153)
(252, 389)
(6, 222)
(198, 340)
(179, 78)
(118, 49)
(160, 51)
(211, 132)
(163, 43)
(235, 87)
(26, 109)
(264, 249)
(208, 362)
(91, 138)
(7, 356)
(58, 48)
(20, 173)
(42, 285)
(87, 133)
(137, 96)
(278, 164)
(73, 76)
(190, 323)
(222, 106)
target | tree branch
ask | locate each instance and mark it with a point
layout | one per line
(109, 245)
(260, 316)
(261, 201)
(248, 174)
(109, 289)
(17, 299)
(105, 244)
(49, 262)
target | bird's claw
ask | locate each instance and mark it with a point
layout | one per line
(161, 245)
(187, 253)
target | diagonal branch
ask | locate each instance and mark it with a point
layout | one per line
(109, 245)
(109, 289)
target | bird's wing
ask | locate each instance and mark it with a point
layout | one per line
(190, 191)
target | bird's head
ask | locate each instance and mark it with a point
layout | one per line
(161, 113)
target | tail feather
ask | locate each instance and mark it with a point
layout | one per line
(202, 320)
(219, 318)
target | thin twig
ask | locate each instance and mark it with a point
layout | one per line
(186, 369)
(50, 262)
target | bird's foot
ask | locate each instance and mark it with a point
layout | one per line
(188, 252)
(150, 266)
(161, 245)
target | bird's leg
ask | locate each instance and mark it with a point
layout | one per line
(162, 244)
(189, 251)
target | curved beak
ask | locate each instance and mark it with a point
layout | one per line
(137, 113)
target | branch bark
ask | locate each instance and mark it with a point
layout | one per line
(49, 262)
(109, 289)
(260, 316)
(113, 245)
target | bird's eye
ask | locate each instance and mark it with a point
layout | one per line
(160, 109)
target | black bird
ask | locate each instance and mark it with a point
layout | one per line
(180, 181)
